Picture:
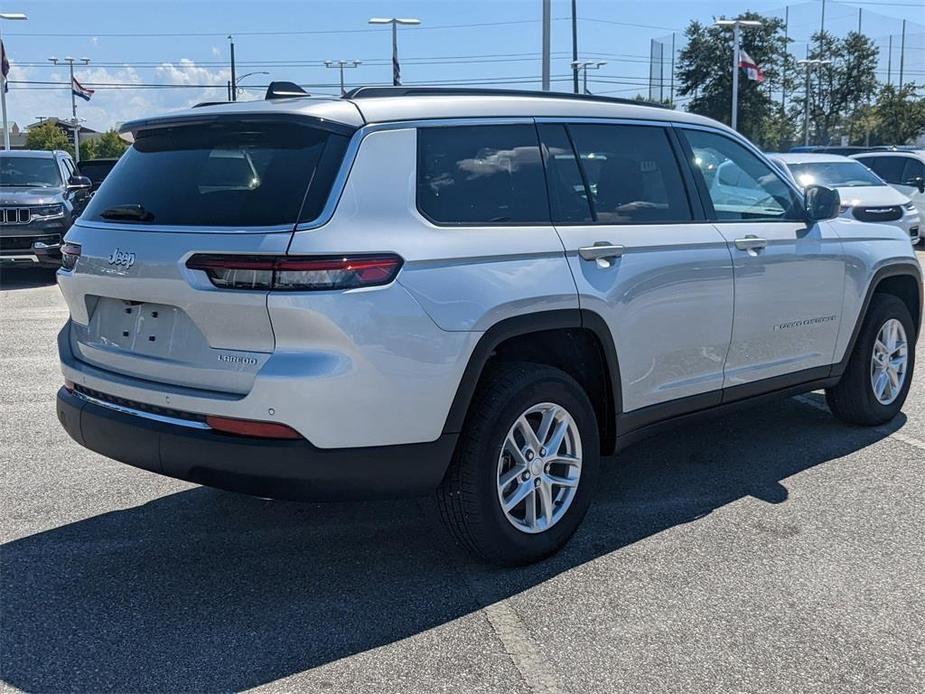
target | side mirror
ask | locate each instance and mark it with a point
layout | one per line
(918, 182)
(820, 203)
(79, 183)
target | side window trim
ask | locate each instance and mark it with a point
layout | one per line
(706, 199)
(682, 159)
(581, 172)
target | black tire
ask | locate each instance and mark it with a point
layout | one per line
(853, 399)
(468, 497)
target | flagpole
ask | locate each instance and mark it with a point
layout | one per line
(74, 116)
(736, 25)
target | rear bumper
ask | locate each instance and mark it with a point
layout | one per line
(281, 469)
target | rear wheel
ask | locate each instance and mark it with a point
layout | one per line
(876, 382)
(526, 465)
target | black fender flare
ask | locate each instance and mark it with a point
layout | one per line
(523, 325)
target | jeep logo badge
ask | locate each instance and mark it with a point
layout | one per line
(121, 258)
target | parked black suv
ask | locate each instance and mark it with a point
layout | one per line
(41, 194)
(97, 169)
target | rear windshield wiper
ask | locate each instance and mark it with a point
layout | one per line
(135, 213)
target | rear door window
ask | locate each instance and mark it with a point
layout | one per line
(225, 174)
(890, 169)
(913, 170)
(631, 173)
(481, 174)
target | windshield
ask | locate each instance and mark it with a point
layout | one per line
(221, 174)
(28, 172)
(835, 174)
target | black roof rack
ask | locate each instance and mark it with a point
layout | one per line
(210, 103)
(372, 92)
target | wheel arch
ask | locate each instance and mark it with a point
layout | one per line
(902, 280)
(550, 337)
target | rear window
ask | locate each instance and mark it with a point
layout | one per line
(96, 171)
(223, 174)
(481, 174)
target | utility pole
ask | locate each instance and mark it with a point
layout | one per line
(74, 122)
(737, 26)
(889, 61)
(11, 16)
(808, 65)
(671, 97)
(902, 54)
(547, 38)
(574, 45)
(341, 64)
(395, 21)
(584, 66)
(234, 82)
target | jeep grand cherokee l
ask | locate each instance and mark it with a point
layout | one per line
(41, 194)
(470, 293)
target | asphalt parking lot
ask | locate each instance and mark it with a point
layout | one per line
(776, 550)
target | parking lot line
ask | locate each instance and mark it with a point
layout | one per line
(896, 435)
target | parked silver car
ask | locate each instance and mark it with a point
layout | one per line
(473, 293)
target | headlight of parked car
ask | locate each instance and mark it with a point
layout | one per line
(48, 211)
(910, 206)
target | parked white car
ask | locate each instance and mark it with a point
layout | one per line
(865, 196)
(905, 171)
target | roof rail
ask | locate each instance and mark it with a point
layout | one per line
(372, 92)
(282, 90)
(210, 103)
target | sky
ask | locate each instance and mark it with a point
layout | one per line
(182, 47)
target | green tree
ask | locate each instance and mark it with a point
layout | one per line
(841, 88)
(88, 149)
(47, 136)
(900, 115)
(110, 145)
(705, 74)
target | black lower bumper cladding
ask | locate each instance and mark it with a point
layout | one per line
(275, 468)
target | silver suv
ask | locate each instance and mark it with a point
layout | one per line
(470, 293)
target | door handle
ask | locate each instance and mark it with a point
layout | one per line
(601, 250)
(751, 243)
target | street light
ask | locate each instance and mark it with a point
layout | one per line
(76, 123)
(13, 17)
(248, 74)
(737, 26)
(584, 66)
(341, 64)
(395, 21)
(808, 65)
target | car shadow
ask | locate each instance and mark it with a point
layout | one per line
(26, 278)
(205, 591)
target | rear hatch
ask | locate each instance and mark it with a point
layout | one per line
(215, 186)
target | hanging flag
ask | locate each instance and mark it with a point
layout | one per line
(79, 90)
(750, 66)
(4, 67)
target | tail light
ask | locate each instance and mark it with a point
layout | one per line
(250, 427)
(70, 252)
(294, 273)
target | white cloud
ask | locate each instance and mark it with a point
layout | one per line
(109, 107)
(216, 51)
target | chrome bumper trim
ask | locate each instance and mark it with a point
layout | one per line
(146, 415)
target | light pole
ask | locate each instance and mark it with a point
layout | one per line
(340, 65)
(395, 21)
(737, 26)
(70, 63)
(233, 82)
(808, 65)
(12, 16)
(236, 87)
(584, 66)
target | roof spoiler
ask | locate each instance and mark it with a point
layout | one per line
(282, 90)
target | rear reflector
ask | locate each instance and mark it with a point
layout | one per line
(295, 273)
(249, 427)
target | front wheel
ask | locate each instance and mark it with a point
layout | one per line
(526, 465)
(876, 382)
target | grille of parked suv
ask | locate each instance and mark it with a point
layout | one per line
(140, 406)
(15, 215)
(24, 243)
(878, 214)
